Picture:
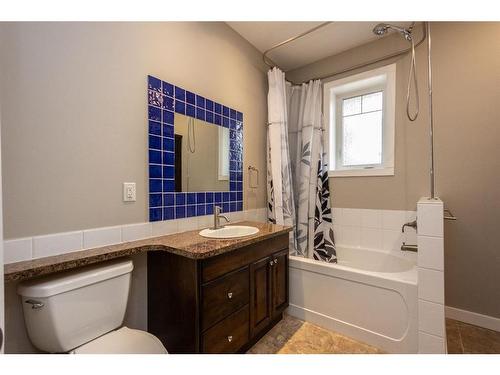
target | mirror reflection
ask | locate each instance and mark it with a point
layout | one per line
(201, 155)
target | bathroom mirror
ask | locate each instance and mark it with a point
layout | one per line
(201, 155)
(195, 153)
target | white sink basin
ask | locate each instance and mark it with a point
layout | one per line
(229, 231)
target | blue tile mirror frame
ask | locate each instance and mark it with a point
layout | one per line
(164, 100)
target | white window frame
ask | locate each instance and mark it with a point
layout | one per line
(223, 170)
(380, 79)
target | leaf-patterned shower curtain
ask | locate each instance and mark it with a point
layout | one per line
(302, 175)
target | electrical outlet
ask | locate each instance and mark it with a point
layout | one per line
(129, 193)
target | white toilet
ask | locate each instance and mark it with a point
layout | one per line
(80, 311)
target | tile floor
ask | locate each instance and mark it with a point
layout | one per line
(465, 338)
(294, 336)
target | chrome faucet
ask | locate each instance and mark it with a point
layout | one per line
(217, 216)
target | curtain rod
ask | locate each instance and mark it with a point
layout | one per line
(354, 67)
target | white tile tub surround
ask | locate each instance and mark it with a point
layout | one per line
(430, 256)
(20, 249)
(373, 229)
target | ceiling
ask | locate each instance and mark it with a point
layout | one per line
(330, 40)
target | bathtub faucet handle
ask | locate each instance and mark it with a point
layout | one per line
(412, 224)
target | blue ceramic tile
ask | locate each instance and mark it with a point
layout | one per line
(218, 119)
(180, 212)
(168, 130)
(239, 196)
(200, 197)
(180, 107)
(209, 197)
(232, 124)
(232, 185)
(168, 103)
(239, 116)
(167, 88)
(209, 117)
(200, 101)
(190, 98)
(232, 113)
(218, 197)
(209, 105)
(154, 83)
(154, 214)
(155, 186)
(191, 198)
(200, 210)
(232, 196)
(155, 157)
(168, 186)
(155, 98)
(154, 171)
(233, 206)
(190, 110)
(154, 127)
(218, 108)
(239, 186)
(209, 209)
(232, 176)
(239, 206)
(168, 117)
(239, 176)
(168, 213)
(168, 172)
(226, 207)
(225, 196)
(190, 211)
(168, 144)
(154, 113)
(168, 158)
(225, 122)
(239, 125)
(180, 94)
(154, 142)
(200, 114)
(168, 199)
(155, 200)
(225, 111)
(232, 165)
(180, 199)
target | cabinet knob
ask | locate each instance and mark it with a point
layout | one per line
(276, 261)
(271, 262)
(230, 295)
(229, 338)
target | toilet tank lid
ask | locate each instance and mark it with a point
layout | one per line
(70, 280)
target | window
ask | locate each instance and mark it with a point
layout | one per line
(360, 123)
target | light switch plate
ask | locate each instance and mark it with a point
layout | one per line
(129, 192)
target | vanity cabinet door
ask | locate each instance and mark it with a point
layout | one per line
(280, 282)
(260, 295)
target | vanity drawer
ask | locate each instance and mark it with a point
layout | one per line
(221, 264)
(229, 335)
(224, 296)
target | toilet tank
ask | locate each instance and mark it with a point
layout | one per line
(68, 309)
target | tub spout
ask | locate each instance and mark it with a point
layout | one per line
(405, 247)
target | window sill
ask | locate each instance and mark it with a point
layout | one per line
(362, 172)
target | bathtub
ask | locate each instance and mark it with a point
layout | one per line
(368, 295)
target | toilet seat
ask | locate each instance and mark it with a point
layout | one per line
(123, 341)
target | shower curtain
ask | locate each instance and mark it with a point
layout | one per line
(302, 176)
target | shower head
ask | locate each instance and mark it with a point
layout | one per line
(382, 28)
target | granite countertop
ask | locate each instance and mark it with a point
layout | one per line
(189, 244)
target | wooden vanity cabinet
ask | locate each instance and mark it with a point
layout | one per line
(222, 304)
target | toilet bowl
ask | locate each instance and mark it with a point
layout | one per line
(82, 311)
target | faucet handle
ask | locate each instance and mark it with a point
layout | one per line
(217, 210)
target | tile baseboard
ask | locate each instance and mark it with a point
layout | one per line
(485, 321)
